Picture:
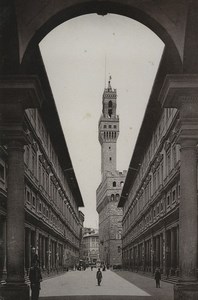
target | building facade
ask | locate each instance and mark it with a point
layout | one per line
(109, 191)
(53, 221)
(90, 247)
(151, 208)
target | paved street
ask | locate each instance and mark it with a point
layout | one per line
(121, 285)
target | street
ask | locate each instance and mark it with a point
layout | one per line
(115, 285)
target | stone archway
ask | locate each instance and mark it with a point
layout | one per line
(173, 21)
(41, 25)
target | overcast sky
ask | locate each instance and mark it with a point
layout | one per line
(74, 55)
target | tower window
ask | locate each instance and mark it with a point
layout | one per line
(110, 158)
(110, 108)
(114, 184)
(110, 104)
(110, 112)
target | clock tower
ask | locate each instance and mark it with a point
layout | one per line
(109, 191)
(108, 130)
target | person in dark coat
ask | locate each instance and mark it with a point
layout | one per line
(99, 276)
(157, 278)
(35, 279)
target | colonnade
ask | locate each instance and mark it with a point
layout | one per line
(160, 250)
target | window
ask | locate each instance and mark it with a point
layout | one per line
(168, 200)
(112, 197)
(2, 172)
(174, 155)
(157, 209)
(110, 158)
(110, 108)
(168, 162)
(119, 249)
(109, 126)
(174, 196)
(34, 163)
(33, 201)
(117, 197)
(28, 196)
(114, 184)
(114, 126)
(27, 155)
(178, 190)
(105, 126)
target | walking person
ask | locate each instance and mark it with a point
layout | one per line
(99, 276)
(35, 279)
(157, 278)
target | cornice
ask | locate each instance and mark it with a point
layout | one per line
(24, 89)
(178, 89)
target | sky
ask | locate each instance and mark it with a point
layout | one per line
(79, 56)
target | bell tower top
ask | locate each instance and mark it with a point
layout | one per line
(109, 101)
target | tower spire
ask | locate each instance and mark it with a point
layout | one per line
(109, 83)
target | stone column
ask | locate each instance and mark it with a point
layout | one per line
(28, 248)
(177, 246)
(181, 92)
(44, 252)
(3, 270)
(164, 250)
(152, 254)
(161, 252)
(17, 94)
(157, 252)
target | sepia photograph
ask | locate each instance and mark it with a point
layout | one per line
(98, 150)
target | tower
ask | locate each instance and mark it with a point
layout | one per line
(109, 190)
(108, 130)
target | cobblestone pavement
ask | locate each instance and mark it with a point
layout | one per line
(120, 285)
(165, 292)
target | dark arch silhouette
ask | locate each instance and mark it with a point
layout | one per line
(103, 8)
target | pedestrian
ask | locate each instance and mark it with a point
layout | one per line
(35, 279)
(99, 276)
(157, 278)
(34, 256)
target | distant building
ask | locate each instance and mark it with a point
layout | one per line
(109, 191)
(90, 246)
